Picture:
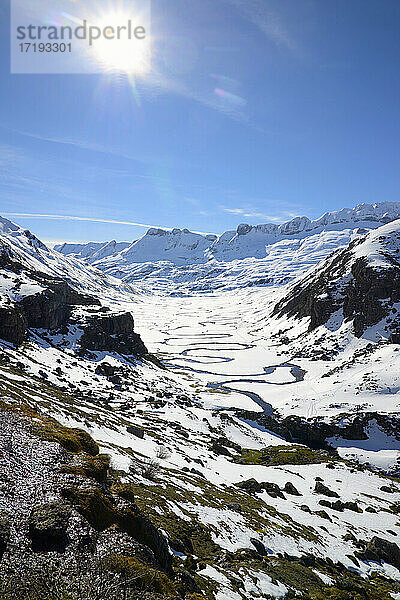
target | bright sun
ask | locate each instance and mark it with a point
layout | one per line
(128, 54)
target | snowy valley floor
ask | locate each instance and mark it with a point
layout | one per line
(174, 435)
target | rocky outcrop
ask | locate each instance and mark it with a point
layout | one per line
(379, 550)
(112, 333)
(51, 309)
(102, 511)
(341, 506)
(365, 291)
(89, 519)
(314, 433)
(13, 325)
(5, 529)
(48, 525)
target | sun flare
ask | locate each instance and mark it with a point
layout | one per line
(123, 45)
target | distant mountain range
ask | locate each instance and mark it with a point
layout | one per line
(182, 247)
(250, 256)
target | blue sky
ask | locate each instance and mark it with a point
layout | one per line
(253, 111)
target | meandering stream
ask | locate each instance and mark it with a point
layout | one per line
(196, 354)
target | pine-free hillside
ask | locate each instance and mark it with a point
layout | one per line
(157, 443)
(362, 283)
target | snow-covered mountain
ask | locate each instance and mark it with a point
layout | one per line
(182, 247)
(179, 246)
(242, 444)
(360, 284)
(93, 250)
(261, 255)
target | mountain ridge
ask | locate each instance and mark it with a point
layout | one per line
(180, 246)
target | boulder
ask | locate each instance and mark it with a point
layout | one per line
(105, 369)
(259, 546)
(321, 488)
(379, 550)
(250, 485)
(48, 525)
(273, 490)
(136, 431)
(387, 489)
(290, 489)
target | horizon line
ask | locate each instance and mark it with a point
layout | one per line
(94, 220)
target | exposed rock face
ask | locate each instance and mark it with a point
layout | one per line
(8, 261)
(379, 550)
(13, 325)
(321, 488)
(113, 333)
(364, 289)
(5, 529)
(48, 526)
(363, 297)
(314, 433)
(314, 297)
(51, 309)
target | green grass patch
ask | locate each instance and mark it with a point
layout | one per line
(92, 467)
(282, 455)
(140, 576)
(50, 430)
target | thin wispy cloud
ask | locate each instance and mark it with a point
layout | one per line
(268, 22)
(159, 82)
(81, 144)
(92, 220)
(254, 214)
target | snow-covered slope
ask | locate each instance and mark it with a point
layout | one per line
(360, 284)
(181, 247)
(225, 482)
(261, 255)
(92, 251)
(30, 255)
(177, 246)
(283, 261)
(251, 241)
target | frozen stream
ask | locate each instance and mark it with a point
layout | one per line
(203, 342)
